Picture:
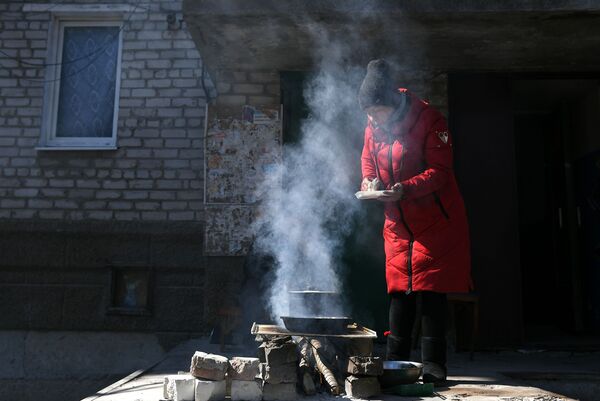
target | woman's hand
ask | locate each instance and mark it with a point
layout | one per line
(392, 195)
(364, 185)
(370, 185)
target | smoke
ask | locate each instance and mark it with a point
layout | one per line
(309, 206)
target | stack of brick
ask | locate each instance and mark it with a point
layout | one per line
(363, 381)
(246, 384)
(209, 372)
(185, 387)
(279, 369)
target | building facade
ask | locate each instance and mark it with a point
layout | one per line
(131, 147)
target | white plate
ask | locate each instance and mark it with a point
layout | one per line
(363, 195)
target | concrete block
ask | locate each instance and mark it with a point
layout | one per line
(208, 366)
(243, 368)
(279, 374)
(243, 390)
(261, 353)
(362, 387)
(280, 354)
(208, 390)
(179, 387)
(169, 387)
(280, 392)
(365, 366)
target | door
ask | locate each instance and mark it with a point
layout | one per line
(481, 122)
(553, 118)
(587, 176)
(543, 228)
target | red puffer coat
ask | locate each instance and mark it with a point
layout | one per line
(426, 233)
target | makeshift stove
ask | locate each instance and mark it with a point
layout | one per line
(317, 350)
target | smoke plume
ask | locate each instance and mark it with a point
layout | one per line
(309, 208)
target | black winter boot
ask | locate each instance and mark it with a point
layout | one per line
(433, 352)
(398, 348)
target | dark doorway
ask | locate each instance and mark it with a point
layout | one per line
(362, 256)
(555, 122)
(538, 194)
(480, 120)
(294, 106)
(527, 157)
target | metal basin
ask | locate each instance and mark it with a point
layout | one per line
(400, 372)
(317, 324)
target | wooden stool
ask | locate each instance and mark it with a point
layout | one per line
(473, 300)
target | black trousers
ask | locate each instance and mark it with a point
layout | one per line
(403, 311)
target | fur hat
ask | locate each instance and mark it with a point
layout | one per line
(377, 88)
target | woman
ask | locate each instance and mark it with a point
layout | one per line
(408, 150)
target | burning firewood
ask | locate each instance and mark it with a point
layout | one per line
(307, 368)
(305, 353)
(334, 386)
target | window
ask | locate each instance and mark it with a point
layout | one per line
(130, 291)
(82, 85)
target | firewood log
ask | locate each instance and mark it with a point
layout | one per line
(334, 386)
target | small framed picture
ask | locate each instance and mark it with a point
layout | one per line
(130, 291)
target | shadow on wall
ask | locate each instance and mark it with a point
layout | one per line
(53, 390)
(68, 366)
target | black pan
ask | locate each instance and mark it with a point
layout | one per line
(317, 324)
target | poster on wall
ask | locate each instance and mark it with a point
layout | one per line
(239, 154)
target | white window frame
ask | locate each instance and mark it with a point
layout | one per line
(49, 140)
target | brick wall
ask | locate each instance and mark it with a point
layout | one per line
(157, 172)
(256, 88)
(68, 217)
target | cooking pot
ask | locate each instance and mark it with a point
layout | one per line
(315, 303)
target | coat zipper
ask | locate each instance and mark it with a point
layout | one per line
(441, 205)
(410, 233)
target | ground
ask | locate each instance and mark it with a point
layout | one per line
(534, 375)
